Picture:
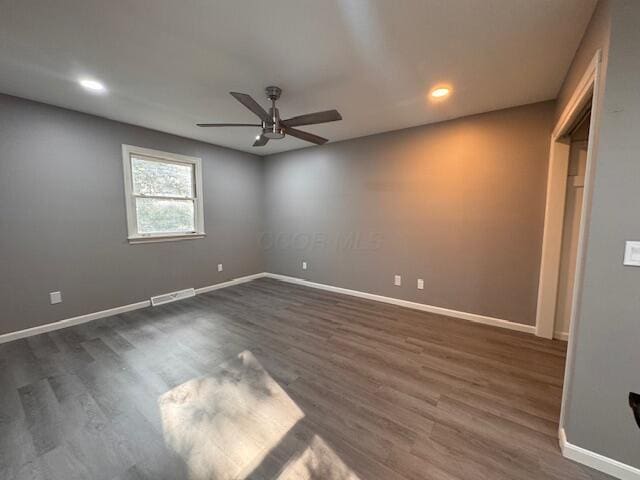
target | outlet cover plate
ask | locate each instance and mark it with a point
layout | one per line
(632, 253)
(55, 297)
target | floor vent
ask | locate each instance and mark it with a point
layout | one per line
(172, 297)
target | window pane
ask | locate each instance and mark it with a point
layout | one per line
(161, 178)
(159, 215)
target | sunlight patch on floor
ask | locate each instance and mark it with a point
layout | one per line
(224, 425)
(318, 461)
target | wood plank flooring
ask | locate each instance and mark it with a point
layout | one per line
(338, 388)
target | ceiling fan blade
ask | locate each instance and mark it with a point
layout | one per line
(309, 137)
(313, 118)
(228, 124)
(261, 142)
(252, 105)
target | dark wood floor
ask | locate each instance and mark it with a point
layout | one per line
(326, 386)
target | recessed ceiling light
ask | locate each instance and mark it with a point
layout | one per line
(440, 92)
(92, 85)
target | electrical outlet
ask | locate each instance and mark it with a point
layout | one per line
(55, 297)
(420, 284)
(397, 280)
(219, 267)
(304, 265)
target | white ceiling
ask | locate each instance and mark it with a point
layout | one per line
(171, 63)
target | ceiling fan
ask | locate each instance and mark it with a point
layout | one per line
(272, 126)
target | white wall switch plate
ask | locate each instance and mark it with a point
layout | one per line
(397, 280)
(304, 265)
(420, 284)
(219, 267)
(632, 253)
(55, 297)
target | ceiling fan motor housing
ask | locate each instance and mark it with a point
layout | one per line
(273, 93)
(273, 130)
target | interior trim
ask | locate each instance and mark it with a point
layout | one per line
(595, 460)
(561, 335)
(68, 322)
(591, 81)
(586, 93)
(230, 283)
(165, 238)
(473, 317)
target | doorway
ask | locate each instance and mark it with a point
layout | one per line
(578, 140)
(585, 98)
(584, 104)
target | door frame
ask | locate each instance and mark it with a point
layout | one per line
(588, 90)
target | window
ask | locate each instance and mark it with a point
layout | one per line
(163, 194)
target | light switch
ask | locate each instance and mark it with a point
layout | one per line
(55, 297)
(420, 284)
(219, 267)
(304, 265)
(397, 280)
(632, 253)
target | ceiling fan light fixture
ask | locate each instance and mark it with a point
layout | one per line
(274, 128)
(273, 133)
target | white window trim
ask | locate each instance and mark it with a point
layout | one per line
(132, 227)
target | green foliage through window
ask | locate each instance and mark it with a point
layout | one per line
(164, 196)
(160, 215)
(161, 179)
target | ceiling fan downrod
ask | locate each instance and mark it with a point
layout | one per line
(273, 131)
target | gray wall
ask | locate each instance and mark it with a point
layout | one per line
(62, 216)
(607, 342)
(459, 204)
(595, 37)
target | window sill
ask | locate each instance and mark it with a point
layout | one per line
(165, 238)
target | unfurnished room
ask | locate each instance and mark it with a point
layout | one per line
(319, 240)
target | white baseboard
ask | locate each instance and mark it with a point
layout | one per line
(595, 460)
(68, 322)
(473, 317)
(561, 335)
(235, 281)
